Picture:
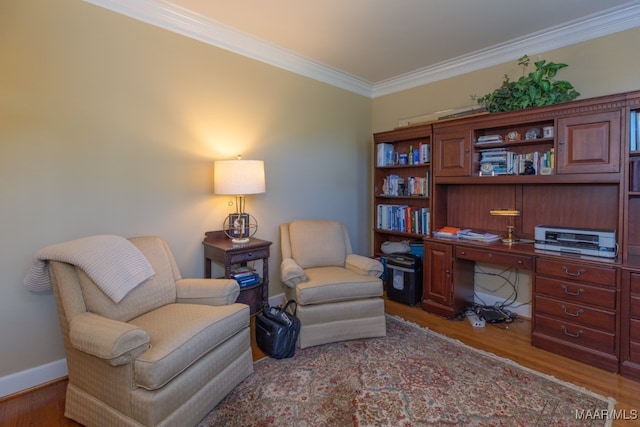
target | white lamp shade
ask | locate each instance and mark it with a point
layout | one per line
(238, 177)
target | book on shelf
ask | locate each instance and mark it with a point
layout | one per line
(384, 154)
(504, 162)
(485, 139)
(634, 130)
(425, 152)
(253, 280)
(394, 185)
(634, 175)
(245, 276)
(241, 270)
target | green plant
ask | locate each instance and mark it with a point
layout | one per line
(532, 90)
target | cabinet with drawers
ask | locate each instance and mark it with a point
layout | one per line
(575, 310)
(630, 328)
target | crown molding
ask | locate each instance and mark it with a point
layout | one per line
(611, 21)
(167, 15)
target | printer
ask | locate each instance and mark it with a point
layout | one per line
(582, 241)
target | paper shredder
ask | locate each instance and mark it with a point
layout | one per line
(404, 278)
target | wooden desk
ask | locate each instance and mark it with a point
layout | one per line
(219, 248)
(575, 305)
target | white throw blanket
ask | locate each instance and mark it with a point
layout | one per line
(112, 262)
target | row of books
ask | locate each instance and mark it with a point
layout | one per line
(394, 185)
(634, 175)
(505, 162)
(245, 276)
(634, 131)
(407, 219)
(387, 156)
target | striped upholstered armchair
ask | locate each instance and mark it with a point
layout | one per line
(338, 293)
(163, 355)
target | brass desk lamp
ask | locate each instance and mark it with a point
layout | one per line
(510, 213)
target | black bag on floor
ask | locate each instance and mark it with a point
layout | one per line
(277, 331)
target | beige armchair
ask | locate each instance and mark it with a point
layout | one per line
(164, 355)
(338, 293)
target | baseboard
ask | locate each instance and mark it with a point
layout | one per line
(24, 380)
(489, 299)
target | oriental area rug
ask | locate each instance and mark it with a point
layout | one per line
(411, 377)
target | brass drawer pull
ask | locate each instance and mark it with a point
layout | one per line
(576, 335)
(575, 294)
(576, 314)
(576, 274)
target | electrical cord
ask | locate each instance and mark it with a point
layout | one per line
(511, 300)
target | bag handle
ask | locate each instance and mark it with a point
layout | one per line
(291, 301)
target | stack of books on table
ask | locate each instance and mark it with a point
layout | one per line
(245, 276)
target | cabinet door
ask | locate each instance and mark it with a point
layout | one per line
(437, 274)
(453, 154)
(589, 143)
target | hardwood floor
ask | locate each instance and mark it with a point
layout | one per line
(44, 406)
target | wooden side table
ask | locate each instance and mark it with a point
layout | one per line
(218, 248)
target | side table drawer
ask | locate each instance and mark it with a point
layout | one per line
(576, 292)
(248, 256)
(580, 314)
(480, 255)
(575, 334)
(575, 271)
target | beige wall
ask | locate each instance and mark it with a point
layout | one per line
(598, 67)
(109, 125)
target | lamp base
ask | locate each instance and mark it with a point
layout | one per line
(240, 227)
(240, 240)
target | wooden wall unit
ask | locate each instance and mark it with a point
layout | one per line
(594, 182)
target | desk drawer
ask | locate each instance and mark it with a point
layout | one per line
(249, 256)
(634, 330)
(635, 305)
(491, 257)
(576, 271)
(579, 314)
(635, 283)
(577, 293)
(576, 334)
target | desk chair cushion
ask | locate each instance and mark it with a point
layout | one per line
(334, 284)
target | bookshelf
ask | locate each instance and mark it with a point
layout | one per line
(401, 185)
(632, 199)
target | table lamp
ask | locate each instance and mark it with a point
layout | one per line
(239, 178)
(510, 213)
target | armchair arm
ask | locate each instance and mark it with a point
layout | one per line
(207, 291)
(291, 273)
(116, 342)
(364, 265)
